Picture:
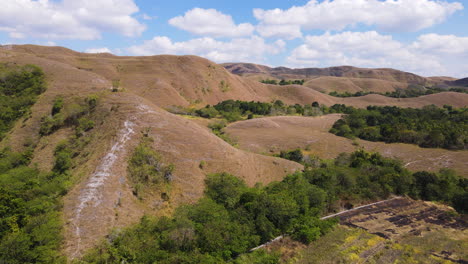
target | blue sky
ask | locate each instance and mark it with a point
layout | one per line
(427, 37)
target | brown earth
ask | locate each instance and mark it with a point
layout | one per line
(272, 134)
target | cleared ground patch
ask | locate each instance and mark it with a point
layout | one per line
(272, 134)
(398, 231)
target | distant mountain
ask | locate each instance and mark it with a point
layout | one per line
(340, 71)
(460, 82)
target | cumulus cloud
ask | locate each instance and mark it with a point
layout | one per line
(389, 15)
(69, 19)
(210, 22)
(430, 54)
(442, 45)
(98, 50)
(240, 49)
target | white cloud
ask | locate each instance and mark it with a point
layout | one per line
(210, 22)
(430, 54)
(98, 50)
(280, 31)
(241, 49)
(442, 44)
(147, 17)
(390, 15)
(68, 19)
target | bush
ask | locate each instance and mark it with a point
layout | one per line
(207, 112)
(145, 167)
(57, 106)
(63, 158)
(19, 88)
(72, 114)
(294, 155)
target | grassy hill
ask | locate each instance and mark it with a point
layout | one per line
(98, 108)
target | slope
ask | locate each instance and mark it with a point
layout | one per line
(340, 79)
(272, 134)
(185, 80)
(101, 194)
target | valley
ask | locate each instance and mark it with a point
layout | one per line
(65, 155)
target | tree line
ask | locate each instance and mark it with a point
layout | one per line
(411, 91)
(234, 110)
(283, 82)
(430, 126)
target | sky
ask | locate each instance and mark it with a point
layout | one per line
(426, 37)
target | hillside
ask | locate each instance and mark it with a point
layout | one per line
(461, 82)
(184, 80)
(273, 134)
(123, 115)
(341, 71)
(340, 79)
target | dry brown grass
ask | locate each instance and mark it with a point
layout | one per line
(155, 82)
(328, 84)
(273, 134)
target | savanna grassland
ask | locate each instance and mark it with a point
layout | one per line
(176, 159)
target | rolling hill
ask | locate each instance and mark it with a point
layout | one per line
(132, 93)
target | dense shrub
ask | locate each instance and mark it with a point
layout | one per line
(30, 222)
(20, 87)
(411, 91)
(145, 167)
(283, 82)
(75, 114)
(427, 127)
(294, 155)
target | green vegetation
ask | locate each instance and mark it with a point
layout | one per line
(427, 127)
(294, 155)
(217, 128)
(411, 91)
(145, 168)
(20, 87)
(369, 176)
(30, 224)
(74, 114)
(30, 204)
(283, 82)
(232, 218)
(224, 86)
(234, 110)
